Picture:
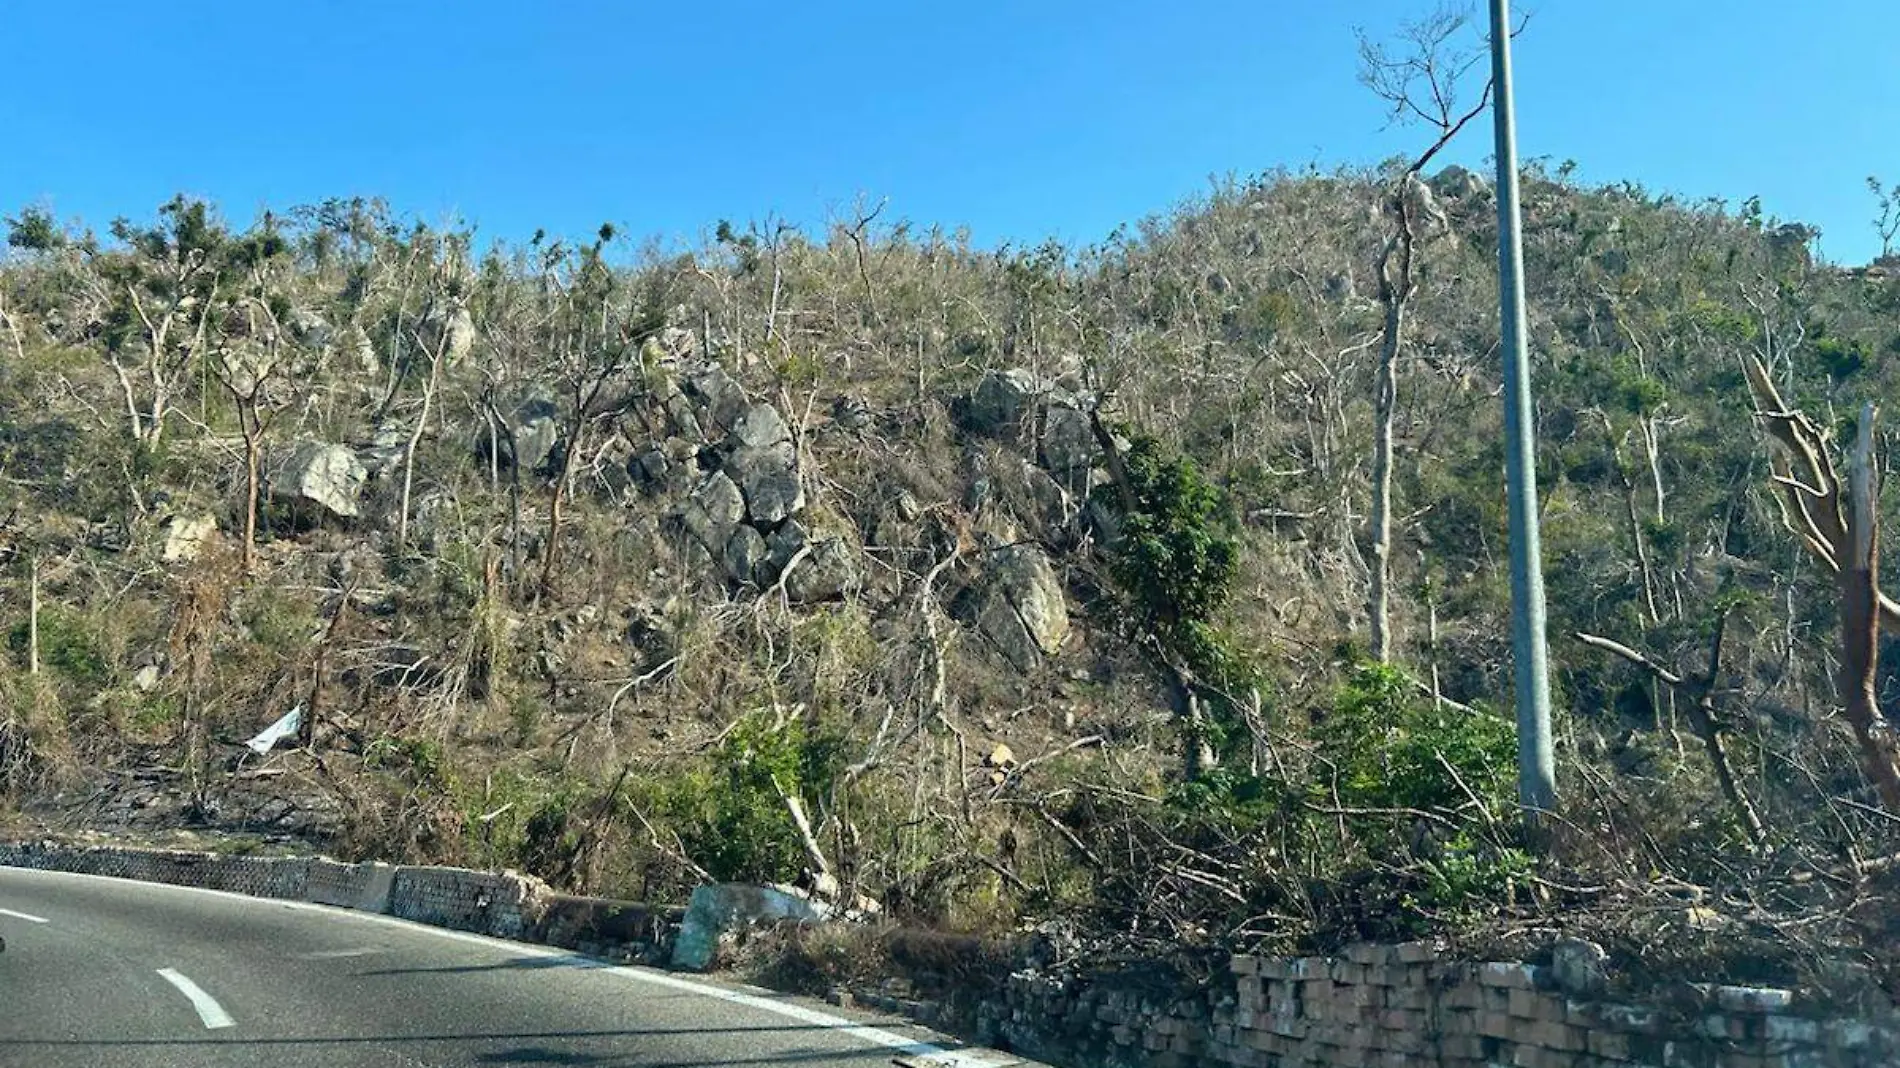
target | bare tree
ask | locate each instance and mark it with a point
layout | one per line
(1422, 82)
(167, 281)
(451, 331)
(602, 324)
(246, 370)
(1834, 520)
(1887, 223)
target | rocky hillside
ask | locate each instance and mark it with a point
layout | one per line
(989, 584)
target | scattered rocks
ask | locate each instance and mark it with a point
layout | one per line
(1456, 183)
(768, 477)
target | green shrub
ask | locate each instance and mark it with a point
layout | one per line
(69, 647)
(1389, 748)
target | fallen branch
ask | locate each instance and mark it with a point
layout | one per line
(1702, 717)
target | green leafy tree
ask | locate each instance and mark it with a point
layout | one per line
(1176, 559)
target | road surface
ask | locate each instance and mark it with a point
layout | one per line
(100, 973)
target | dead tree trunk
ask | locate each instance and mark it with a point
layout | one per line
(1395, 290)
(1860, 626)
(33, 619)
(437, 352)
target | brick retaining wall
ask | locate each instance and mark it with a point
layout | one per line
(1391, 1007)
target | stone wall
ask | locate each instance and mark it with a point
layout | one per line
(505, 905)
(279, 877)
(1397, 1006)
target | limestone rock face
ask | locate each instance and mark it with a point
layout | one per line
(328, 476)
(1021, 607)
(187, 535)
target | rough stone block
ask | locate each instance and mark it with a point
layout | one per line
(1508, 976)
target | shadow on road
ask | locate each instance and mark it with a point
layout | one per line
(518, 1047)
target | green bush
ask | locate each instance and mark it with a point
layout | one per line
(730, 817)
(69, 647)
(1388, 748)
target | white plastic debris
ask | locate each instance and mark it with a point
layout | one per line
(276, 732)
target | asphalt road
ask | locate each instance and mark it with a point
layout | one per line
(100, 973)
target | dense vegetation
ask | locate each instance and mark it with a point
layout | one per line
(522, 649)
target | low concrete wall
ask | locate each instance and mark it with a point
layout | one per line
(504, 904)
(278, 877)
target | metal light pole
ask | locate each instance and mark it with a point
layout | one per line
(1536, 766)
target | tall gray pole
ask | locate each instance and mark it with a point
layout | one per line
(1536, 766)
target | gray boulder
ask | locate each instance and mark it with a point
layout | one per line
(717, 399)
(310, 328)
(1458, 184)
(745, 555)
(187, 535)
(721, 501)
(450, 326)
(1068, 445)
(328, 476)
(1579, 967)
(759, 427)
(768, 476)
(715, 914)
(711, 511)
(679, 413)
(820, 568)
(650, 467)
(535, 427)
(1002, 402)
(1021, 607)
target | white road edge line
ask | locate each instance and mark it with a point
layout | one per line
(209, 1010)
(21, 916)
(875, 1036)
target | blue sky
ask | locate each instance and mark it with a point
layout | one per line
(1017, 118)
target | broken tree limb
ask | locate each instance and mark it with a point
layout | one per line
(827, 882)
(1808, 488)
(1702, 716)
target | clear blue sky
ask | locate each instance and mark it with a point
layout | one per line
(1018, 118)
